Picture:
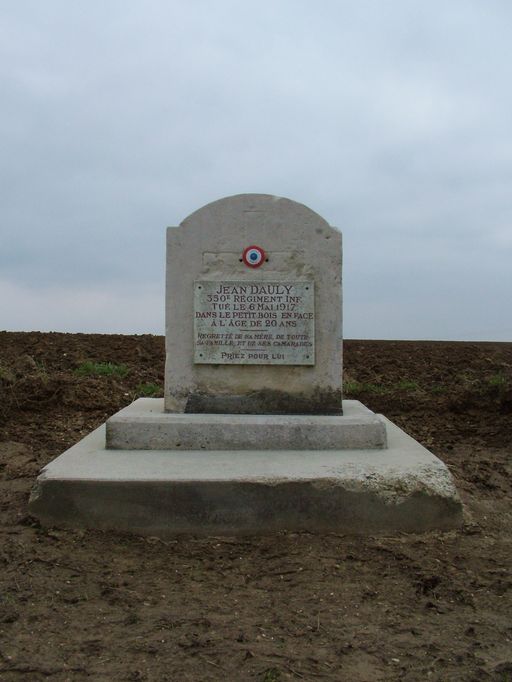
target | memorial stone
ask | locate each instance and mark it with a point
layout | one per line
(253, 310)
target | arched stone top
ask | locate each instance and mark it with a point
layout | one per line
(254, 209)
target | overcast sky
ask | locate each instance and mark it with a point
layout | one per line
(390, 118)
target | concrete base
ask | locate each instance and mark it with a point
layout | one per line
(144, 425)
(166, 492)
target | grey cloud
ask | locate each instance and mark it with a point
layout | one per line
(392, 120)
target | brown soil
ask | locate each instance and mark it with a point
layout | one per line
(89, 605)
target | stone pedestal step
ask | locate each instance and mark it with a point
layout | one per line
(144, 425)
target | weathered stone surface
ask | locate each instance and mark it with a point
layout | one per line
(144, 425)
(163, 493)
(301, 248)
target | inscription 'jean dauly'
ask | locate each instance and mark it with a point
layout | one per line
(254, 289)
(254, 323)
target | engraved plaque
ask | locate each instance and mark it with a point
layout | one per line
(254, 323)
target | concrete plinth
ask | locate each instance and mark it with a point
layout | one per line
(144, 425)
(167, 492)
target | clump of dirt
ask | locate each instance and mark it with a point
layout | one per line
(297, 606)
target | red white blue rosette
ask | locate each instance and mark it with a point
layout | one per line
(253, 256)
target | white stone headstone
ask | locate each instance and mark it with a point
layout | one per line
(253, 310)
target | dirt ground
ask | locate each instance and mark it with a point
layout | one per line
(78, 605)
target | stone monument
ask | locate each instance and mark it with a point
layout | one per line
(265, 332)
(252, 435)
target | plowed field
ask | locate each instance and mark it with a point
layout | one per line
(78, 605)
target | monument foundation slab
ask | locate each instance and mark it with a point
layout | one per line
(167, 492)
